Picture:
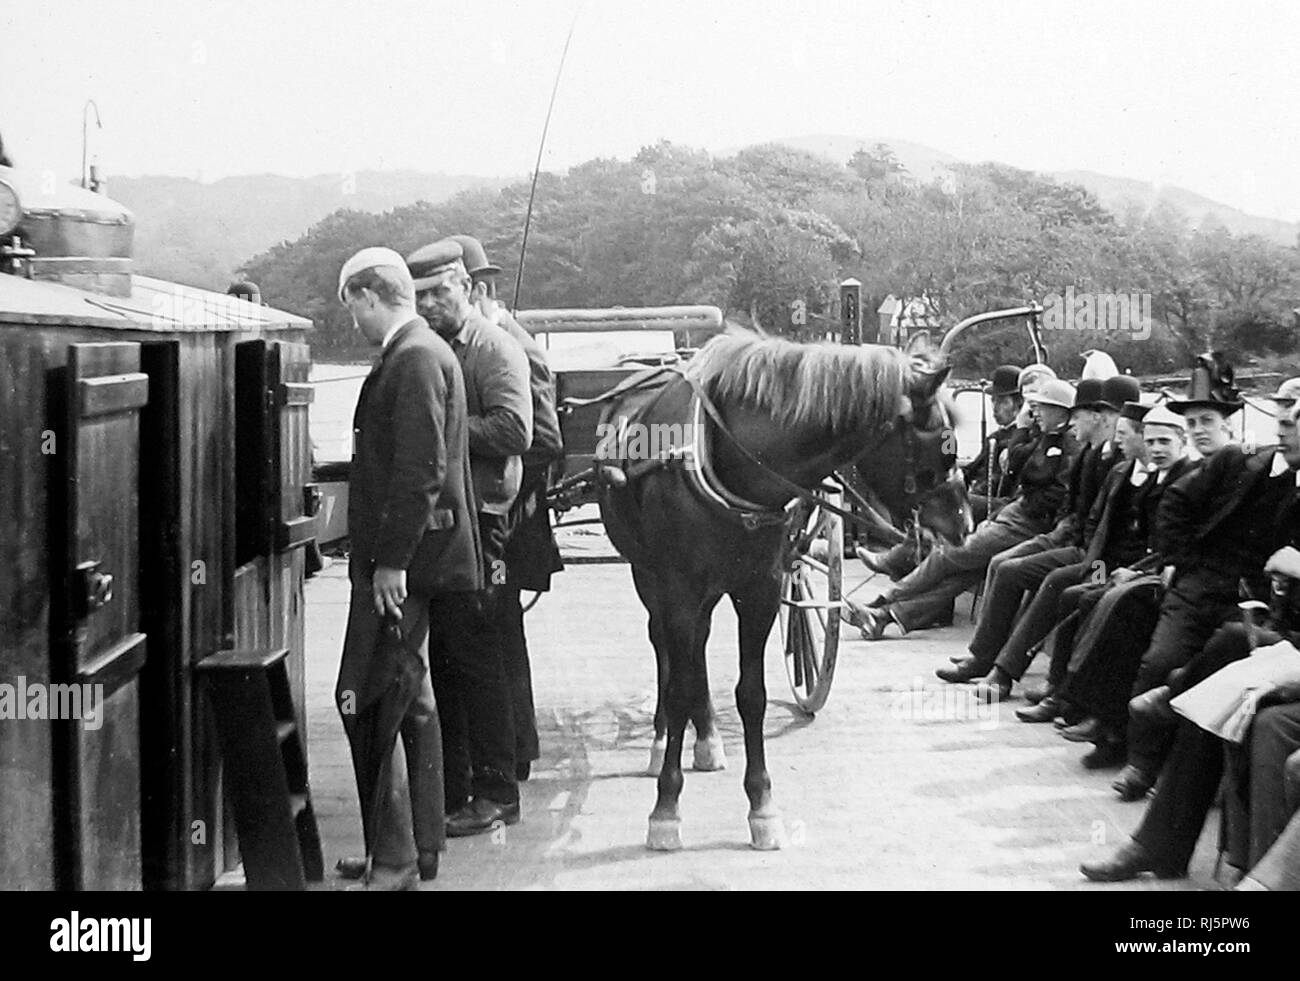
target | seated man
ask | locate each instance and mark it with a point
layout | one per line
(984, 473)
(1020, 570)
(1216, 528)
(946, 574)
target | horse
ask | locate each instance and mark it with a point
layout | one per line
(756, 421)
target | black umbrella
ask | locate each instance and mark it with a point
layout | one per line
(392, 684)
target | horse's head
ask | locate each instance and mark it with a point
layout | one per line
(806, 410)
(911, 470)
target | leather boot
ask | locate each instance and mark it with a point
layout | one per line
(1130, 861)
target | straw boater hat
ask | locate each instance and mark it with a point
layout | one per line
(1211, 386)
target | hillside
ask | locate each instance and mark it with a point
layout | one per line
(200, 233)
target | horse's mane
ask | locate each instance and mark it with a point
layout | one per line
(841, 387)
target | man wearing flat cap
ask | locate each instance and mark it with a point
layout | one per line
(410, 518)
(469, 671)
(531, 554)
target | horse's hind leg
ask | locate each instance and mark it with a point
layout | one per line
(756, 608)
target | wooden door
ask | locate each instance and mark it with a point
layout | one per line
(101, 648)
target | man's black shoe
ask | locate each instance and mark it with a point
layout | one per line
(480, 815)
(1128, 863)
(1088, 731)
(1045, 711)
(1132, 783)
(967, 670)
(1111, 752)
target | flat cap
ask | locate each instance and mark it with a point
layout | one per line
(369, 258)
(1162, 416)
(1134, 411)
(1053, 391)
(429, 261)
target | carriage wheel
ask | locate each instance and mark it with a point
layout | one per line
(811, 591)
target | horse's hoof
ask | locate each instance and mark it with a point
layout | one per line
(767, 833)
(658, 750)
(665, 835)
(710, 754)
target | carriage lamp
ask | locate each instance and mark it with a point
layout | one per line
(851, 312)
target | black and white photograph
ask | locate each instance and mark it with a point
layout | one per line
(652, 446)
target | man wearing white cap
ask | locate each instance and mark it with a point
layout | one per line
(949, 572)
(410, 521)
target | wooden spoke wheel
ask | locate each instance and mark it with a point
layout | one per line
(811, 593)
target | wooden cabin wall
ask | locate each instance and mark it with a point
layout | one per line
(26, 769)
(189, 611)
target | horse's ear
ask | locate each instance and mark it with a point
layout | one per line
(929, 382)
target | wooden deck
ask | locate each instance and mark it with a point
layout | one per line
(897, 784)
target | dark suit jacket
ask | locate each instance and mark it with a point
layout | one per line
(1196, 504)
(1102, 521)
(976, 472)
(1041, 478)
(410, 501)
(546, 445)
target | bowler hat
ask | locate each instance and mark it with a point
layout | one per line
(369, 258)
(1162, 416)
(1287, 392)
(430, 261)
(1087, 394)
(1053, 392)
(1006, 381)
(1134, 411)
(1211, 386)
(475, 258)
(1118, 390)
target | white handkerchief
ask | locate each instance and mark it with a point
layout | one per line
(1139, 476)
(1053, 451)
(1279, 465)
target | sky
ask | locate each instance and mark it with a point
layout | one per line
(1204, 95)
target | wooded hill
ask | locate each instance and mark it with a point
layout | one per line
(771, 230)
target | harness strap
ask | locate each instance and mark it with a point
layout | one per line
(633, 383)
(783, 482)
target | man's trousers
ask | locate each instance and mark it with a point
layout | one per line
(411, 818)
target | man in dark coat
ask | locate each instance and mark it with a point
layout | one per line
(531, 555)
(1171, 825)
(984, 473)
(469, 664)
(410, 518)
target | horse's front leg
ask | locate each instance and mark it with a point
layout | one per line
(685, 618)
(756, 608)
(710, 754)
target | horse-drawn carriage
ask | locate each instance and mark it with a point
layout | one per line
(656, 341)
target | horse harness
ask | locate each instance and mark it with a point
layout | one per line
(750, 514)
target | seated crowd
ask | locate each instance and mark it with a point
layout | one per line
(1125, 558)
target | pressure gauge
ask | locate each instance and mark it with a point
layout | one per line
(11, 212)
